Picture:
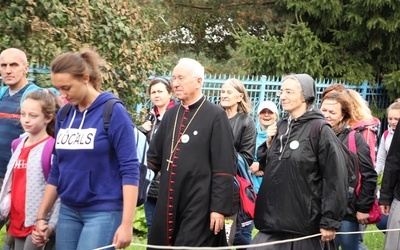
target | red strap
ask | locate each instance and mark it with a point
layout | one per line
(352, 142)
(385, 134)
(353, 148)
(10, 116)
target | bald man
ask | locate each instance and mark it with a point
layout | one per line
(13, 68)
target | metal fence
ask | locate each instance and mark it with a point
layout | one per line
(260, 88)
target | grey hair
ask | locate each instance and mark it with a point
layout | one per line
(198, 69)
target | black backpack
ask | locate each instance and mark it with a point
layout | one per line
(352, 161)
(146, 175)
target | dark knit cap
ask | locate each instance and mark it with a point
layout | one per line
(307, 86)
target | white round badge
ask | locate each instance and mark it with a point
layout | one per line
(185, 138)
(195, 132)
(294, 145)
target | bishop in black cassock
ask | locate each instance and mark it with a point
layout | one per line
(193, 149)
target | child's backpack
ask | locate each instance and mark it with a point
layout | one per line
(46, 154)
(146, 175)
(385, 134)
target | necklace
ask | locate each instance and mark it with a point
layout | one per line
(169, 160)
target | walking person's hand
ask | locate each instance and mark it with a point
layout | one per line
(271, 132)
(123, 236)
(217, 222)
(327, 234)
(41, 234)
(385, 209)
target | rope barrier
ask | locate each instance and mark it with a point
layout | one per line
(251, 245)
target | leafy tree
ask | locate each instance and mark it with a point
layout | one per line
(117, 29)
(348, 40)
(207, 26)
(351, 41)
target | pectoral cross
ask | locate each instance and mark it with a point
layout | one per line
(169, 162)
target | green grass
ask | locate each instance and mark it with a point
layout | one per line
(374, 241)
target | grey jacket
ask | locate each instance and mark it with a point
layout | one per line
(35, 185)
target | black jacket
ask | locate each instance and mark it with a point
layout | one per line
(244, 135)
(302, 192)
(391, 175)
(366, 198)
(155, 184)
(156, 121)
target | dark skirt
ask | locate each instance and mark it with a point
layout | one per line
(305, 244)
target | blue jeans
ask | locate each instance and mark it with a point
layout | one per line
(85, 230)
(243, 235)
(149, 207)
(347, 241)
(382, 225)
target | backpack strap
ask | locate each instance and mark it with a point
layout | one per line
(315, 131)
(46, 156)
(64, 111)
(385, 134)
(353, 148)
(15, 143)
(352, 142)
(30, 88)
(3, 91)
(107, 112)
(107, 117)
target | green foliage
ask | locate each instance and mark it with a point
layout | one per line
(299, 50)
(364, 35)
(392, 84)
(231, 66)
(115, 28)
(210, 24)
(139, 224)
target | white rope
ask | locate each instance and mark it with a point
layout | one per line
(251, 245)
(105, 247)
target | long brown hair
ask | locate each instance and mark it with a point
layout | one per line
(78, 64)
(343, 98)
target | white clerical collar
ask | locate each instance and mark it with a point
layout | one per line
(187, 106)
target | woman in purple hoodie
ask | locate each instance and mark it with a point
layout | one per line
(95, 171)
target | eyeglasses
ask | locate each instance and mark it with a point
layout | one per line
(286, 92)
(181, 78)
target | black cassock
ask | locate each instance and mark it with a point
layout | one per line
(199, 178)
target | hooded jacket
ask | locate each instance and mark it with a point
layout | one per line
(391, 176)
(302, 192)
(383, 150)
(91, 165)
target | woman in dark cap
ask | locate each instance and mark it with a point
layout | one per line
(304, 189)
